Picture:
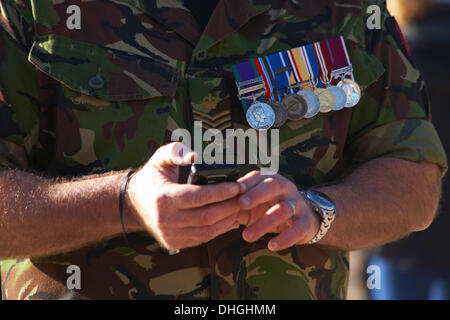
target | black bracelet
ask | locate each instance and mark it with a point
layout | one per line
(121, 200)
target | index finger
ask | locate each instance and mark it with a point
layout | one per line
(188, 196)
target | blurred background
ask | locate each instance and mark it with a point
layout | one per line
(417, 267)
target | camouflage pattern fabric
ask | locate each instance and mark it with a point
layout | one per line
(161, 72)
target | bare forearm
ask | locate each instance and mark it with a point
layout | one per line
(39, 217)
(382, 201)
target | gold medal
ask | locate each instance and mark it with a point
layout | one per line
(326, 98)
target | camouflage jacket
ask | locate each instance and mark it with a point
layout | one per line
(80, 102)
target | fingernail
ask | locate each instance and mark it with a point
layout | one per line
(248, 235)
(245, 201)
(273, 245)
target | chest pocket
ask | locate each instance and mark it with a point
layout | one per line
(106, 109)
(103, 73)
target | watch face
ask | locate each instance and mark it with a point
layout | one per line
(321, 199)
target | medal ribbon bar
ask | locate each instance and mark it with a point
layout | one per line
(247, 75)
(341, 61)
(283, 72)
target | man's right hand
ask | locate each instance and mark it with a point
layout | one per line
(181, 215)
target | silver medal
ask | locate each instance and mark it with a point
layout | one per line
(340, 96)
(312, 101)
(352, 91)
(260, 116)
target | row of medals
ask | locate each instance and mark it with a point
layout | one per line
(304, 104)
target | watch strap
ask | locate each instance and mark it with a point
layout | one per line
(326, 216)
(324, 227)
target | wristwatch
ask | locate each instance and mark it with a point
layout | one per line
(324, 207)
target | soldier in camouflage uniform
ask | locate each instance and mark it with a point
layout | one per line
(79, 108)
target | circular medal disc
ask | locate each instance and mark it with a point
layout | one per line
(260, 116)
(326, 98)
(296, 106)
(352, 90)
(312, 101)
(340, 96)
(280, 113)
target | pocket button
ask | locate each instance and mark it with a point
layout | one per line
(202, 56)
(96, 82)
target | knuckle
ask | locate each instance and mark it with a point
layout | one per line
(157, 155)
(170, 148)
(273, 184)
(161, 201)
(286, 210)
(175, 145)
(255, 173)
(177, 149)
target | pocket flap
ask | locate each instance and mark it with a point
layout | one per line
(102, 72)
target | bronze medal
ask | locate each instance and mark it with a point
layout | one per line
(280, 113)
(296, 106)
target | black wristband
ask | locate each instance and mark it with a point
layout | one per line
(121, 200)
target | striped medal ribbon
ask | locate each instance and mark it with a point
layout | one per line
(325, 58)
(343, 71)
(281, 70)
(326, 98)
(253, 89)
(297, 83)
(301, 78)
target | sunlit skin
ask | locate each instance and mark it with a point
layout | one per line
(383, 200)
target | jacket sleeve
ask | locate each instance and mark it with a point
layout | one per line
(392, 119)
(19, 103)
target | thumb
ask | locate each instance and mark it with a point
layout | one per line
(173, 155)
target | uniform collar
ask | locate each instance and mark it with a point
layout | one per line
(175, 16)
(228, 17)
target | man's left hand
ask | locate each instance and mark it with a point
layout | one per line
(267, 208)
